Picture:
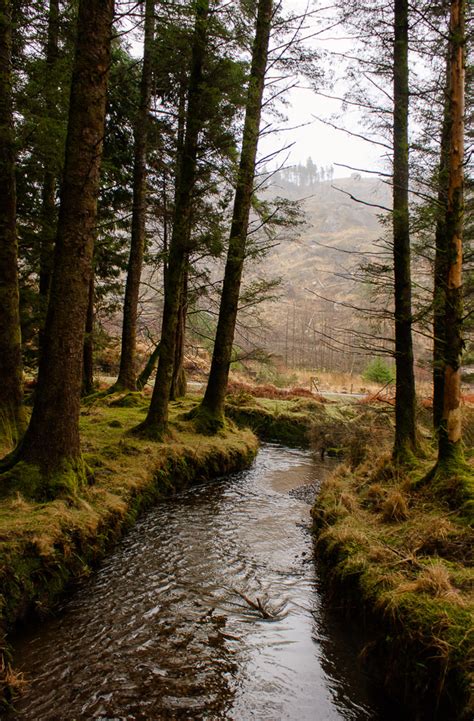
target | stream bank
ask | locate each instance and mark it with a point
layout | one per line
(399, 560)
(46, 547)
(209, 608)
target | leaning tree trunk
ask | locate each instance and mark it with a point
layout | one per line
(12, 420)
(127, 373)
(449, 436)
(52, 439)
(48, 192)
(211, 411)
(156, 421)
(405, 399)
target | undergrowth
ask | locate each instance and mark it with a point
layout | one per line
(404, 553)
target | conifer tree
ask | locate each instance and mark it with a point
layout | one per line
(211, 411)
(12, 418)
(51, 442)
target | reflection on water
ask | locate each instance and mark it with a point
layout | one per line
(171, 626)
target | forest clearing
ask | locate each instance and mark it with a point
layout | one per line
(236, 383)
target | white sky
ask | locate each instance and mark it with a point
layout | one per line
(324, 144)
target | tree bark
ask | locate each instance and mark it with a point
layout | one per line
(178, 381)
(449, 436)
(88, 360)
(48, 194)
(12, 419)
(441, 262)
(150, 366)
(405, 399)
(211, 410)
(156, 421)
(52, 439)
(127, 373)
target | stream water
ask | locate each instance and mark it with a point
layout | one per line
(172, 624)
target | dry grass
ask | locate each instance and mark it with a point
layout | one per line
(268, 390)
(435, 581)
(394, 507)
(409, 558)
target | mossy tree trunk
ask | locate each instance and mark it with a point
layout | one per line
(178, 381)
(449, 436)
(156, 421)
(127, 373)
(405, 399)
(48, 193)
(148, 369)
(211, 410)
(12, 419)
(52, 438)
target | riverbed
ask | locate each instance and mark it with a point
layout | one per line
(210, 608)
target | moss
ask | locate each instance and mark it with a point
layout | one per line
(400, 556)
(49, 542)
(29, 480)
(132, 399)
(273, 421)
(206, 422)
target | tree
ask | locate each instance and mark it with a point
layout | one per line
(405, 398)
(12, 419)
(50, 180)
(156, 421)
(449, 433)
(52, 442)
(127, 373)
(211, 410)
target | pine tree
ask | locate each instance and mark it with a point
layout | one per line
(52, 442)
(211, 410)
(128, 373)
(12, 419)
(405, 399)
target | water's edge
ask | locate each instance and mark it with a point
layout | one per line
(209, 608)
(33, 584)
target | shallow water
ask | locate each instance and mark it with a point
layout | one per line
(172, 624)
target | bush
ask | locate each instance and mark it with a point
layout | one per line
(378, 372)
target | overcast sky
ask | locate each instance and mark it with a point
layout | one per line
(324, 144)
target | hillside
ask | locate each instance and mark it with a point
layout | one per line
(318, 263)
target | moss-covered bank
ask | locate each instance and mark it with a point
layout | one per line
(398, 555)
(284, 421)
(46, 546)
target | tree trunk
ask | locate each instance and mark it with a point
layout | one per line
(211, 410)
(449, 436)
(441, 263)
(156, 421)
(150, 366)
(127, 373)
(88, 361)
(178, 381)
(12, 419)
(48, 199)
(405, 399)
(52, 439)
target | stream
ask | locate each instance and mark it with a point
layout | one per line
(209, 608)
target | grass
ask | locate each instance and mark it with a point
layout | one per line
(44, 546)
(402, 553)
